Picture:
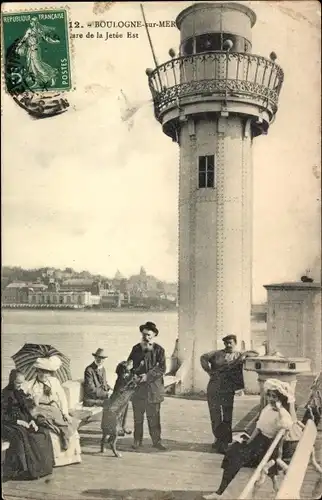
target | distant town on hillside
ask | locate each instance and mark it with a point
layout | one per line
(56, 288)
(51, 288)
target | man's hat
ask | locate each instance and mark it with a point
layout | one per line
(99, 354)
(230, 337)
(149, 326)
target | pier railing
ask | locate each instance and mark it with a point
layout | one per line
(261, 472)
(294, 472)
(223, 74)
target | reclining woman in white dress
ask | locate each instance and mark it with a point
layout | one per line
(274, 417)
(52, 409)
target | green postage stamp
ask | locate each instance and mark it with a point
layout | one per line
(36, 51)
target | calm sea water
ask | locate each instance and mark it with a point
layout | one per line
(79, 333)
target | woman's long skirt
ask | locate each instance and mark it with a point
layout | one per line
(241, 455)
(250, 455)
(51, 417)
(64, 436)
(30, 454)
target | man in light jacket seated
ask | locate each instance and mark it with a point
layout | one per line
(96, 388)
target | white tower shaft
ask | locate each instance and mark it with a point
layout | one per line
(215, 239)
(213, 100)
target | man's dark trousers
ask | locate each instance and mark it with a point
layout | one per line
(152, 410)
(221, 407)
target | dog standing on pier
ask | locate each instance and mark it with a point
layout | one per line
(115, 407)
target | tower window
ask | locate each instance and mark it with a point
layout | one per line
(208, 42)
(187, 47)
(207, 171)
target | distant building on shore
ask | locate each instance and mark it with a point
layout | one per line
(50, 287)
(114, 298)
(18, 292)
(82, 285)
(38, 294)
(53, 298)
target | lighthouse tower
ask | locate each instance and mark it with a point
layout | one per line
(213, 99)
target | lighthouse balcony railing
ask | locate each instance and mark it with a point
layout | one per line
(226, 75)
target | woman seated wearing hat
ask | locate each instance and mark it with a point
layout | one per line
(52, 410)
(30, 454)
(274, 417)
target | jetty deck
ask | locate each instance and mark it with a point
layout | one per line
(184, 472)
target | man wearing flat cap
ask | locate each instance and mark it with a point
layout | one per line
(96, 388)
(149, 364)
(225, 369)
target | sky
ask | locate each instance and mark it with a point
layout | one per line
(91, 191)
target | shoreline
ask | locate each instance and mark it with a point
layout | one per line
(27, 307)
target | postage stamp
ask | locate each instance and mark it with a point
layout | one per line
(36, 51)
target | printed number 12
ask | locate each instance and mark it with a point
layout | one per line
(76, 24)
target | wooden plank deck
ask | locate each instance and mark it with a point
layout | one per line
(186, 470)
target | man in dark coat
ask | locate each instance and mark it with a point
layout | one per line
(149, 364)
(96, 388)
(225, 368)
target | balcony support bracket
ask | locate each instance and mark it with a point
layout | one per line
(224, 110)
(191, 128)
(248, 128)
(222, 125)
